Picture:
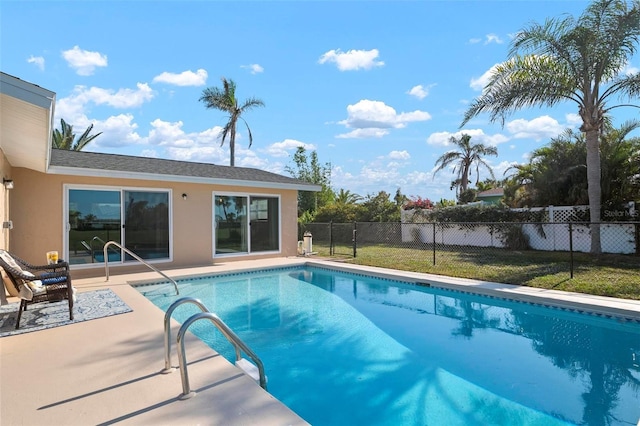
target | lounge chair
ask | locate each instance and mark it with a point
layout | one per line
(36, 284)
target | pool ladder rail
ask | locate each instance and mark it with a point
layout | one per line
(136, 257)
(254, 370)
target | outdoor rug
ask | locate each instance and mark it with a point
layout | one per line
(39, 316)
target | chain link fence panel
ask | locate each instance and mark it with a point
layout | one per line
(513, 253)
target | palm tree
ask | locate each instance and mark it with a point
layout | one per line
(347, 197)
(570, 60)
(224, 99)
(464, 158)
(64, 138)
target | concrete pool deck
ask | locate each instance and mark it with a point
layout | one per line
(107, 370)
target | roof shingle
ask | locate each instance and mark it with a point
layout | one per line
(180, 170)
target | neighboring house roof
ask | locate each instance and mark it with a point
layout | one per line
(84, 163)
(494, 192)
(26, 122)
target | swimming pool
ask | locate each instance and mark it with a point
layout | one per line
(348, 349)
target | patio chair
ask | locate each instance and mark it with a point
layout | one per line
(36, 284)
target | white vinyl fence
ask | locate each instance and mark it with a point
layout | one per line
(616, 237)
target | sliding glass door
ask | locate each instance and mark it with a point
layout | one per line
(230, 214)
(265, 224)
(95, 216)
(246, 224)
(146, 225)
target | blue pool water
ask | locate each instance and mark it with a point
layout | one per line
(346, 349)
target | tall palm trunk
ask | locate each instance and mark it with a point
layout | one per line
(593, 187)
(464, 179)
(232, 145)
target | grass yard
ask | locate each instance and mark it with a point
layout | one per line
(605, 275)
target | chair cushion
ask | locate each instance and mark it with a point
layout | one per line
(35, 287)
(48, 279)
(53, 280)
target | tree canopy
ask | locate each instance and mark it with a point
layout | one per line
(576, 60)
(224, 99)
(65, 138)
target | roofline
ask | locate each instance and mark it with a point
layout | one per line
(35, 95)
(25, 91)
(79, 171)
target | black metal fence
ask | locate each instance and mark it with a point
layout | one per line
(499, 252)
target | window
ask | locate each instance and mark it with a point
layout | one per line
(96, 216)
(246, 224)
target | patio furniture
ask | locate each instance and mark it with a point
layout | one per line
(38, 283)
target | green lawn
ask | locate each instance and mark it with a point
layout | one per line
(605, 275)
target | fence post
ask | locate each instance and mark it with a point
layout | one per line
(355, 238)
(434, 244)
(331, 249)
(571, 249)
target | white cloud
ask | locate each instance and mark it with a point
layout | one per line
(370, 118)
(420, 91)
(117, 131)
(363, 134)
(477, 136)
(185, 78)
(203, 147)
(475, 40)
(500, 169)
(149, 153)
(283, 149)
(38, 61)
(352, 60)
(84, 61)
(213, 154)
(574, 120)
(493, 38)
(81, 97)
(254, 68)
(165, 133)
(399, 155)
(480, 82)
(379, 174)
(537, 129)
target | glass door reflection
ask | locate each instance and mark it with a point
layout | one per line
(231, 224)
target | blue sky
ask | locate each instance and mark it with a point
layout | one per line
(376, 88)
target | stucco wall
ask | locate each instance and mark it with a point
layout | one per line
(39, 226)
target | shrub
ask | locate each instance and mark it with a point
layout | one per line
(513, 237)
(418, 203)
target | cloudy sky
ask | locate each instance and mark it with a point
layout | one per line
(376, 88)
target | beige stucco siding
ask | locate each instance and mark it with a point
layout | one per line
(37, 212)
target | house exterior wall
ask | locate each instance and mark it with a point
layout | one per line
(491, 199)
(37, 212)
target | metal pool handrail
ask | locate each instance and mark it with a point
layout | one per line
(233, 338)
(167, 328)
(135, 256)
